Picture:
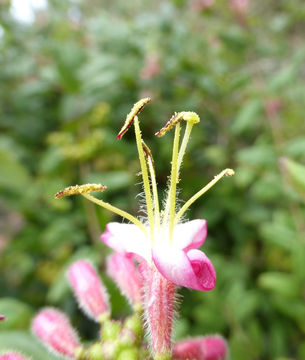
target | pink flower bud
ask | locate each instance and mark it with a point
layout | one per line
(204, 348)
(53, 328)
(89, 290)
(12, 356)
(123, 271)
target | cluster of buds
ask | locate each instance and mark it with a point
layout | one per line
(166, 251)
(117, 340)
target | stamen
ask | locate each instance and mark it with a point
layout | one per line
(80, 189)
(226, 172)
(171, 201)
(116, 210)
(184, 143)
(151, 168)
(147, 152)
(86, 189)
(137, 107)
(149, 204)
(188, 116)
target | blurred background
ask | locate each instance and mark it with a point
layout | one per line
(70, 72)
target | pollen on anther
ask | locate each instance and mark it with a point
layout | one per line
(229, 172)
(137, 107)
(188, 116)
(80, 189)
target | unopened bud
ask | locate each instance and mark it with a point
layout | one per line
(134, 323)
(110, 350)
(110, 330)
(130, 354)
(53, 328)
(124, 272)
(127, 338)
(89, 290)
(95, 352)
(204, 348)
(12, 356)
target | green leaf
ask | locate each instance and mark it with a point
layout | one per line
(247, 118)
(280, 283)
(14, 175)
(259, 155)
(18, 314)
(24, 343)
(296, 172)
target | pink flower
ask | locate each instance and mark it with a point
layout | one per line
(166, 248)
(89, 290)
(179, 262)
(53, 328)
(12, 356)
(203, 348)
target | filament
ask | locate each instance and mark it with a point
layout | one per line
(116, 210)
(226, 172)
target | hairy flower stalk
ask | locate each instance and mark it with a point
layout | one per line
(166, 248)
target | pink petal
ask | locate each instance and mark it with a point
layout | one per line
(203, 348)
(190, 235)
(126, 239)
(193, 269)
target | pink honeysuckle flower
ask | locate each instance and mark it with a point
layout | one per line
(180, 262)
(165, 247)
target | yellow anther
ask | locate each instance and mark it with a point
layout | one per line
(80, 189)
(188, 116)
(137, 107)
(229, 172)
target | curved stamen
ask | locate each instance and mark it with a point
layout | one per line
(85, 191)
(226, 172)
(188, 116)
(116, 210)
(149, 204)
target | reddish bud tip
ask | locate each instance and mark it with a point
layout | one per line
(89, 290)
(204, 348)
(53, 328)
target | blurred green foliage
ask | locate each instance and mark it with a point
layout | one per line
(67, 81)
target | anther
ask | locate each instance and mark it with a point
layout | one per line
(80, 189)
(137, 107)
(188, 116)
